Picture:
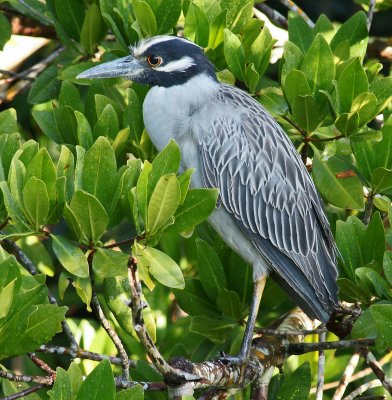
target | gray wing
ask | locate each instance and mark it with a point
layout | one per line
(266, 187)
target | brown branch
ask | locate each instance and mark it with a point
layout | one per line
(368, 209)
(41, 380)
(112, 334)
(273, 15)
(82, 354)
(42, 365)
(122, 242)
(372, 362)
(293, 7)
(12, 248)
(23, 393)
(172, 375)
(321, 369)
(346, 377)
(280, 333)
(362, 389)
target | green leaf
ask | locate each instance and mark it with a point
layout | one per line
(364, 326)
(42, 167)
(197, 206)
(92, 28)
(84, 290)
(164, 202)
(62, 386)
(318, 66)
(145, 17)
(8, 122)
(142, 191)
(382, 89)
(211, 272)
(229, 303)
(297, 385)
(134, 393)
(350, 291)
(5, 31)
(382, 181)
(352, 82)
(99, 176)
(305, 112)
(108, 263)
(166, 162)
(325, 27)
(354, 30)
(273, 100)
(348, 123)
(196, 25)
(99, 384)
(69, 96)
(299, 32)
(36, 201)
(167, 15)
(261, 51)
(107, 124)
(235, 55)
(164, 269)
(45, 87)
(387, 266)
(344, 192)
(365, 104)
(184, 180)
(6, 297)
(216, 330)
(71, 15)
(193, 299)
(132, 115)
(84, 132)
(70, 256)
(373, 245)
(90, 214)
(382, 317)
(292, 59)
(295, 85)
(217, 27)
(371, 155)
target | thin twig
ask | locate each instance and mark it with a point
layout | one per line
(121, 243)
(82, 354)
(370, 13)
(23, 393)
(346, 377)
(273, 15)
(112, 334)
(12, 248)
(303, 348)
(171, 374)
(13, 76)
(42, 365)
(41, 380)
(372, 362)
(368, 209)
(362, 389)
(358, 375)
(279, 333)
(293, 7)
(321, 369)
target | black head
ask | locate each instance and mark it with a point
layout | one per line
(157, 61)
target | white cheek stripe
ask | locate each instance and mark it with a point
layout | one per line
(180, 65)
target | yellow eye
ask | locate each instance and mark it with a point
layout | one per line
(154, 61)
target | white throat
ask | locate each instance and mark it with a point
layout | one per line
(168, 111)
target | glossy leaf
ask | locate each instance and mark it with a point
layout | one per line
(62, 386)
(108, 263)
(235, 55)
(5, 31)
(36, 201)
(145, 17)
(167, 15)
(196, 25)
(70, 256)
(92, 28)
(305, 112)
(299, 32)
(296, 85)
(297, 385)
(344, 191)
(216, 330)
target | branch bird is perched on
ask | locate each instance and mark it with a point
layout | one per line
(268, 210)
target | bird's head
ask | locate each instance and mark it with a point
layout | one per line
(157, 61)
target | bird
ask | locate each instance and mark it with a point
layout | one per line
(268, 209)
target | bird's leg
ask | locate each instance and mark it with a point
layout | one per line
(259, 285)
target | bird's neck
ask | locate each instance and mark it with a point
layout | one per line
(167, 111)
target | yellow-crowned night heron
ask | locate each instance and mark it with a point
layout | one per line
(268, 209)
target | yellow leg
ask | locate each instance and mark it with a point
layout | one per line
(254, 308)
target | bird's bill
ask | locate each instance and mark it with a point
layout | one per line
(126, 67)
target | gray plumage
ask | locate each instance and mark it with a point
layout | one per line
(269, 210)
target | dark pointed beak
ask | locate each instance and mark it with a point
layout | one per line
(126, 67)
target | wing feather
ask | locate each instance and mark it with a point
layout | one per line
(264, 184)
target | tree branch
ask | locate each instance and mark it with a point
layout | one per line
(346, 377)
(23, 393)
(362, 389)
(376, 368)
(321, 369)
(12, 248)
(273, 15)
(293, 7)
(370, 13)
